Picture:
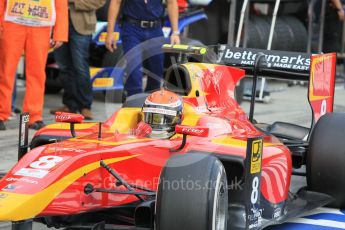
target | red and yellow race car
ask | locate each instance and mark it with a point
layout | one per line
(217, 169)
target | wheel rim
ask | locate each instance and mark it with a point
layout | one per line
(220, 205)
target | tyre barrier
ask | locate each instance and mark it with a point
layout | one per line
(289, 35)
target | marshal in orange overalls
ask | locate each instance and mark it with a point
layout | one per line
(27, 26)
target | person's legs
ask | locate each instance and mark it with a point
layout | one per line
(14, 109)
(11, 46)
(63, 58)
(131, 40)
(79, 49)
(14, 95)
(36, 52)
(153, 50)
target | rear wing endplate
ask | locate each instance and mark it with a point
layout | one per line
(321, 84)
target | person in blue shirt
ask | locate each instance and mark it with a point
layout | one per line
(141, 32)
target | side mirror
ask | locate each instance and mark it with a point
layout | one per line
(197, 131)
(69, 118)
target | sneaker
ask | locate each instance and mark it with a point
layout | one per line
(13, 116)
(64, 109)
(87, 114)
(2, 125)
(16, 110)
(37, 125)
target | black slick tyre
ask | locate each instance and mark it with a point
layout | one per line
(326, 158)
(192, 194)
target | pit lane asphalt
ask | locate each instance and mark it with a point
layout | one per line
(288, 104)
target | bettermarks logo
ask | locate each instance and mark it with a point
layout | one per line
(275, 59)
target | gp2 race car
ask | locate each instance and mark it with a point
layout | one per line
(221, 170)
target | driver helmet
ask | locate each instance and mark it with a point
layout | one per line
(162, 110)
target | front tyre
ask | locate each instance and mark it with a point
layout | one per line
(326, 158)
(192, 194)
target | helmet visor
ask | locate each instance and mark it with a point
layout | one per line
(160, 119)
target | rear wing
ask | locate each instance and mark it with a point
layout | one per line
(280, 64)
(319, 70)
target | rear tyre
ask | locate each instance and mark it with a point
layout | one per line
(262, 29)
(253, 39)
(326, 158)
(192, 194)
(282, 36)
(299, 32)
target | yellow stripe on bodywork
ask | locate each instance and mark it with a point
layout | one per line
(318, 98)
(230, 141)
(16, 207)
(191, 117)
(67, 126)
(111, 143)
(126, 119)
